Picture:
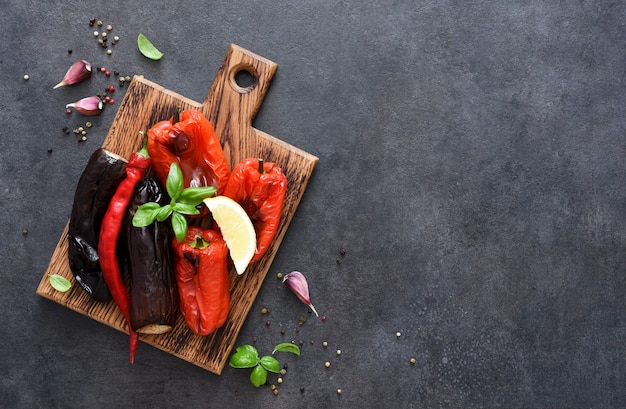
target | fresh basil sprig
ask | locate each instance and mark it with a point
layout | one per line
(183, 201)
(247, 356)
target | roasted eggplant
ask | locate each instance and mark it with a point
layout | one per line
(97, 184)
(153, 293)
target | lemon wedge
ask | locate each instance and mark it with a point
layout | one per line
(237, 229)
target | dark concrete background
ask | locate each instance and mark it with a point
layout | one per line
(471, 165)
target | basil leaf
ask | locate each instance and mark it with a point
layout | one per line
(60, 283)
(147, 48)
(145, 214)
(258, 376)
(287, 347)
(270, 363)
(163, 213)
(185, 208)
(244, 359)
(249, 348)
(179, 225)
(174, 182)
(195, 195)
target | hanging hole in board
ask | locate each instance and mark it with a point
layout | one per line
(244, 78)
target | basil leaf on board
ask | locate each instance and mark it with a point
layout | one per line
(145, 214)
(195, 195)
(174, 182)
(287, 347)
(270, 364)
(179, 225)
(147, 48)
(163, 213)
(185, 208)
(60, 283)
(258, 376)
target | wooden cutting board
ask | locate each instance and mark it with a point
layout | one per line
(230, 106)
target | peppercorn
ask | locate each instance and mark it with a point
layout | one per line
(49, 150)
(96, 34)
(324, 344)
(275, 391)
(109, 52)
(109, 27)
(24, 232)
(26, 77)
(339, 391)
(279, 380)
(267, 323)
(342, 251)
(279, 275)
(339, 352)
(283, 372)
(88, 124)
(92, 21)
(327, 364)
(263, 310)
(413, 361)
(302, 389)
(99, 23)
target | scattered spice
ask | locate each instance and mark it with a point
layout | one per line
(324, 344)
(327, 364)
(339, 391)
(26, 77)
(24, 232)
(339, 352)
(398, 334)
(413, 361)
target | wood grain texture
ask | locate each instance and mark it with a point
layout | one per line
(231, 109)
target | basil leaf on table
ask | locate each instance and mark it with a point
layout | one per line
(147, 48)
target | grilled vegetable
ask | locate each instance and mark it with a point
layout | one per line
(107, 245)
(96, 187)
(153, 293)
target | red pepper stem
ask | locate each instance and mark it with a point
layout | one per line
(176, 117)
(143, 152)
(261, 169)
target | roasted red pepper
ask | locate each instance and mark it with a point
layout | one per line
(107, 246)
(188, 139)
(201, 263)
(259, 187)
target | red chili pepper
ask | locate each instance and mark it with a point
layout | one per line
(259, 187)
(188, 139)
(201, 263)
(107, 246)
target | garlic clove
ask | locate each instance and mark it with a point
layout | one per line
(89, 106)
(296, 282)
(78, 72)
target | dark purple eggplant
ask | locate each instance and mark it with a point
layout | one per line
(153, 294)
(96, 187)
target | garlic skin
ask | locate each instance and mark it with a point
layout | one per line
(78, 72)
(296, 282)
(89, 106)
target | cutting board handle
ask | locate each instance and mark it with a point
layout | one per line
(232, 105)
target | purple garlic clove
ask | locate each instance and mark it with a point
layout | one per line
(296, 282)
(78, 72)
(89, 106)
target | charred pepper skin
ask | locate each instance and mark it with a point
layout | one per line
(189, 140)
(260, 188)
(96, 187)
(201, 263)
(154, 304)
(109, 233)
